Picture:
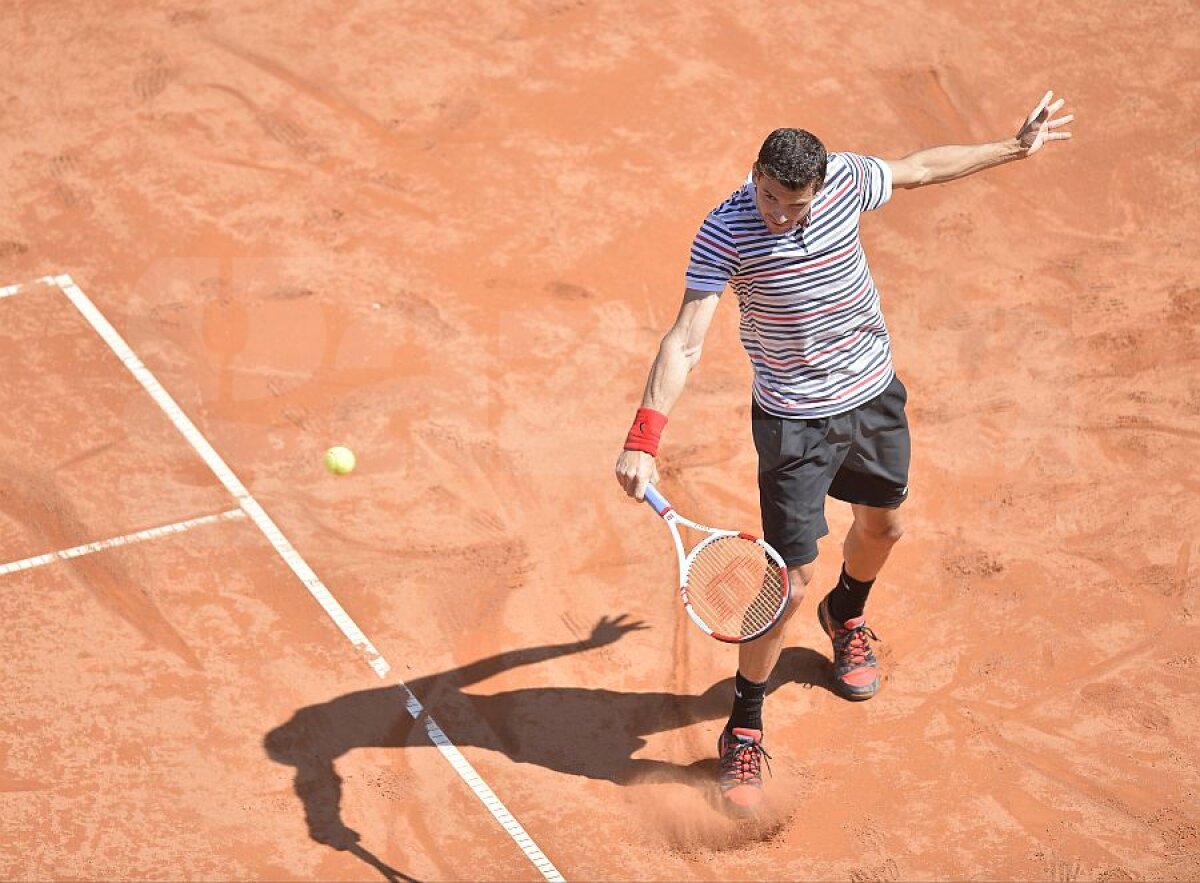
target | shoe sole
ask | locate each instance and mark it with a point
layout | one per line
(859, 694)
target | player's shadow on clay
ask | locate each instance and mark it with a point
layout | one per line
(582, 731)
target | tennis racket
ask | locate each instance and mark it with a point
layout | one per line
(733, 585)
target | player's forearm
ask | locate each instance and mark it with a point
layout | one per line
(936, 165)
(668, 374)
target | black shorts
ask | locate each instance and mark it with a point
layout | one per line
(857, 457)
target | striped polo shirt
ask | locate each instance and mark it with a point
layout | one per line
(810, 316)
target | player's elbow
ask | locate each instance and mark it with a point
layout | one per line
(679, 349)
(909, 172)
(919, 176)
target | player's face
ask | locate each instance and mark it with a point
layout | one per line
(782, 210)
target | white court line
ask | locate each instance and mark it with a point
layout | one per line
(298, 565)
(224, 474)
(101, 545)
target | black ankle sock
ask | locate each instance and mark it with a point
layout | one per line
(848, 598)
(747, 704)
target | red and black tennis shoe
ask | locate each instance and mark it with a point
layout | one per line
(741, 757)
(856, 671)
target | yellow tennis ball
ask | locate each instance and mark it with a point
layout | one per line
(339, 460)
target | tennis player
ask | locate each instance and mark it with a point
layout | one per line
(828, 412)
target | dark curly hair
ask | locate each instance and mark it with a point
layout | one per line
(793, 157)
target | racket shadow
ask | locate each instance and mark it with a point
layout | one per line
(591, 732)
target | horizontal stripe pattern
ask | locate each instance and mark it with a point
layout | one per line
(811, 321)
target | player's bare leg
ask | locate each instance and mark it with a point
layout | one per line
(757, 658)
(870, 540)
(740, 753)
(868, 544)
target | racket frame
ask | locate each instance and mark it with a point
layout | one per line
(667, 512)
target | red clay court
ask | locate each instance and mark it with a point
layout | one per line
(450, 237)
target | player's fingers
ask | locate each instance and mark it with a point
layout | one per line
(1041, 105)
(1056, 106)
(639, 489)
(629, 484)
(1054, 124)
(1058, 136)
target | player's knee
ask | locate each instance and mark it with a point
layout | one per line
(886, 532)
(799, 576)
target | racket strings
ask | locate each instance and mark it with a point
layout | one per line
(735, 587)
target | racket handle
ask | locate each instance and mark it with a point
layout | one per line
(656, 500)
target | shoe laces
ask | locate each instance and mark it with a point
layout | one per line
(743, 761)
(852, 644)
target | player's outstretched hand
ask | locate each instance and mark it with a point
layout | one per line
(1041, 125)
(611, 629)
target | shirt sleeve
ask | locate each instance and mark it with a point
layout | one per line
(872, 179)
(714, 257)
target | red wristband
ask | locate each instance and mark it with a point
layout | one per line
(647, 429)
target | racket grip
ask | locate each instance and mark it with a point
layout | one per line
(656, 500)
